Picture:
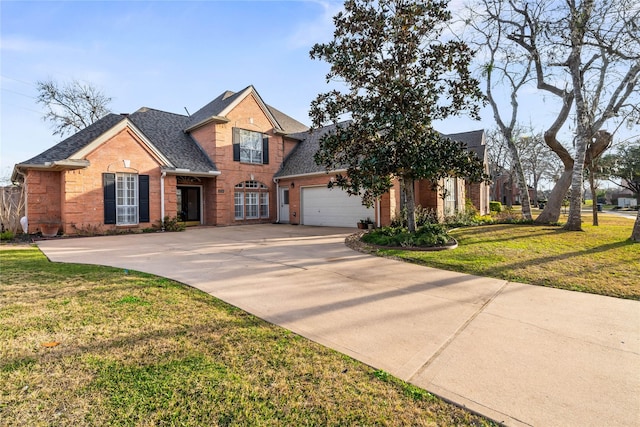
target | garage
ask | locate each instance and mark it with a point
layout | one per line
(332, 208)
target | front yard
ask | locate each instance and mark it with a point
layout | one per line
(601, 260)
(86, 345)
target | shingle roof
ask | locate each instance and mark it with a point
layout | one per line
(165, 131)
(473, 139)
(214, 108)
(300, 160)
(64, 149)
(218, 105)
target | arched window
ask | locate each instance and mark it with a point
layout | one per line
(251, 200)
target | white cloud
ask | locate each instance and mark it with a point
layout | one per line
(319, 30)
(21, 44)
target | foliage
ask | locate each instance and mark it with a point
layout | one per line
(136, 349)
(495, 206)
(400, 76)
(7, 235)
(428, 235)
(625, 166)
(171, 224)
(73, 106)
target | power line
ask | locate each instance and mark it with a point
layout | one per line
(18, 93)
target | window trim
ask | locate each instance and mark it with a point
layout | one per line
(249, 197)
(261, 154)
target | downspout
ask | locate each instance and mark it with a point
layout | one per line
(162, 176)
(277, 182)
(379, 222)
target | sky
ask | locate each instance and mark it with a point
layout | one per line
(173, 56)
(167, 55)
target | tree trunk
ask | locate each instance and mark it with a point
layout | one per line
(551, 212)
(520, 180)
(594, 188)
(635, 234)
(408, 189)
(578, 24)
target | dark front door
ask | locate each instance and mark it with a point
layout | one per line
(189, 204)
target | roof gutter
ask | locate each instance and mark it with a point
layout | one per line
(301, 175)
(212, 119)
(56, 166)
(188, 172)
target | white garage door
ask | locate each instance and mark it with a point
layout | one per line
(332, 207)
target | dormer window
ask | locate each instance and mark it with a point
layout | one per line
(250, 146)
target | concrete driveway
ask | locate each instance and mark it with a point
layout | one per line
(519, 354)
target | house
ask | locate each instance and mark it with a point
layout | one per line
(237, 160)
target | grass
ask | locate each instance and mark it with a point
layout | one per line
(86, 345)
(601, 260)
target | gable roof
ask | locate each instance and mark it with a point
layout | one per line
(67, 147)
(217, 109)
(300, 161)
(163, 130)
(474, 140)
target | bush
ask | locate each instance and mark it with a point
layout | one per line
(424, 216)
(171, 224)
(7, 235)
(427, 235)
(495, 207)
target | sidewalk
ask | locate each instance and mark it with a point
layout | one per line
(519, 354)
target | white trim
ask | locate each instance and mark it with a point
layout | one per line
(260, 102)
(113, 131)
(300, 175)
(201, 190)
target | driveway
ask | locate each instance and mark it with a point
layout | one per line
(519, 354)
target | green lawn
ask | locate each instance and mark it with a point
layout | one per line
(600, 260)
(86, 345)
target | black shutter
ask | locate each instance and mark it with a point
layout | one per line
(236, 144)
(265, 150)
(143, 198)
(109, 185)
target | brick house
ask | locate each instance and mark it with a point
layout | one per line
(237, 160)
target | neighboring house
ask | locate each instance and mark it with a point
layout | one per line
(236, 160)
(505, 190)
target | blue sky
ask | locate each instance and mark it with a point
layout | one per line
(164, 55)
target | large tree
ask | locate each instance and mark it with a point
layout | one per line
(509, 71)
(400, 75)
(587, 56)
(625, 167)
(71, 106)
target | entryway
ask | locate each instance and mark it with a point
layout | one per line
(189, 204)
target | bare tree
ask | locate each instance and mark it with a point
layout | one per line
(507, 68)
(587, 55)
(72, 106)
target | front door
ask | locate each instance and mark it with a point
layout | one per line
(188, 199)
(284, 205)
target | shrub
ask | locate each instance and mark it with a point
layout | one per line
(171, 224)
(495, 206)
(423, 216)
(7, 235)
(425, 236)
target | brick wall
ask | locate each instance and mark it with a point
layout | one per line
(43, 198)
(217, 141)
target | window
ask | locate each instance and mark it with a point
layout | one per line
(126, 198)
(250, 146)
(251, 200)
(450, 196)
